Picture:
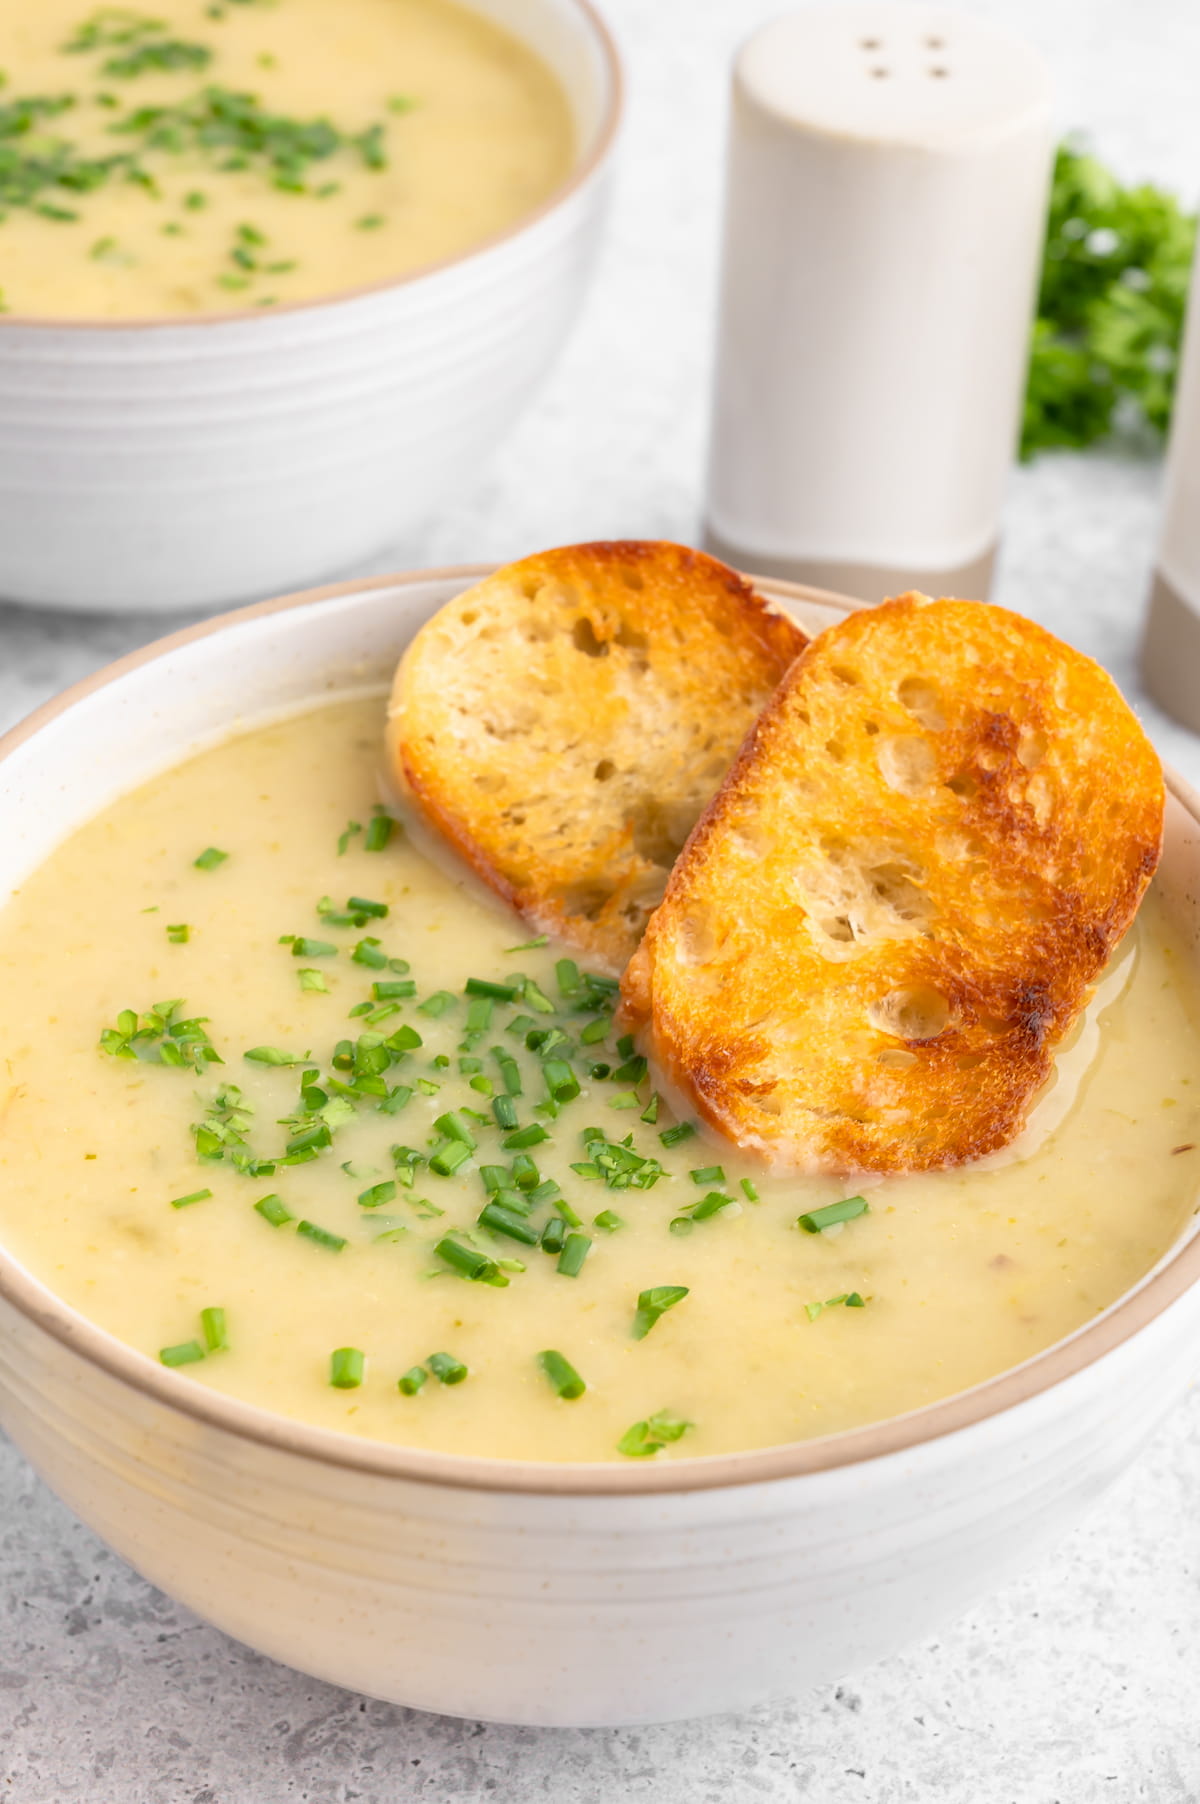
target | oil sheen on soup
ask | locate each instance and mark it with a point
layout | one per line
(199, 156)
(287, 1107)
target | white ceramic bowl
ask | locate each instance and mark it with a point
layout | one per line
(203, 460)
(587, 1594)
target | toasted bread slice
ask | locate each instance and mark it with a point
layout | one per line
(893, 908)
(563, 723)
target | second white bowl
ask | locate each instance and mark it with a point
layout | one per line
(160, 465)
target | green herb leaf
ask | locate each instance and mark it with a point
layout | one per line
(649, 1437)
(653, 1303)
(815, 1221)
(209, 859)
(564, 1379)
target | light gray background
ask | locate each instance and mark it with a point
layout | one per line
(1080, 1683)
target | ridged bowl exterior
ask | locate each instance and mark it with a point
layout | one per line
(157, 467)
(531, 1593)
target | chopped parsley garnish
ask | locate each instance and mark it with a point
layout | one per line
(160, 1037)
(652, 1435)
(849, 1299)
(815, 1221)
(653, 1303)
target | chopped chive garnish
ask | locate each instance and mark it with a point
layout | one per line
(648, 1437)
(482, 986)
(609, 1220)
(536, 998)
(427, 1087)
(479, 1014)
(682, 1130)
(209, 859)
(271, 1055)
(628, 1099)
(576, 1248)
(369, 952)
(390, 988)
(600, 1071)
(447, 1156)
(568, 1214)
(543, 939)
(406, 1159)
(379, 831)
(394, 1101)
(312, 980)
(212, 1326)
(346, 1367)
(377, 1195)
(653, 1303)
(632, 1071)
(483, 1085)
(510, 1071)
(494, 1177)
(564, 1379)
(505, 1111)
(346, 835)
(553, 1235)
(412, 1381)
(323, 1238)
(625, 1046)
(185, 1354)
(302, 947)
(363, 905)
(179, 934)
(533, 1135)
(707, 1174)
(447, 1368)
(507, 1221)
(567, 973)
(815, 1221)
(650, 1112)
(520, 1024)
(468, 1262)
(405, 1039)
(454, 1126)
(594, 1031)
(437, 1004)
(561, 1081)
(749, 1191)
(194, 1196)
(854, 1301)
(525, 1173)
(848, 1299)
(273, 1209)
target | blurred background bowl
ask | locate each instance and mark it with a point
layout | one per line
(189, 462)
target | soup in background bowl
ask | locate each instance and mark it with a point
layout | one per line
(277, 278)
(631, 1584)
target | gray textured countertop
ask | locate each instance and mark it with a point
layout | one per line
(1079, 1682)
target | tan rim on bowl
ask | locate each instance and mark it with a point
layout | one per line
(606, 131)
(1117, 1324)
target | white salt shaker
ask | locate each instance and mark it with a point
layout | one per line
(886, 195)
(1171, 648)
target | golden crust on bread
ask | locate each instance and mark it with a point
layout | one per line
(894, 907)
(563, 723)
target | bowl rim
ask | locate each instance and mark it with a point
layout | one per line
(1137, 1308)
(576, 179)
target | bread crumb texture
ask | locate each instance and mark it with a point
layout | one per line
(894, 907)
(564, 723)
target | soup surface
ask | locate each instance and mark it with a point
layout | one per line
(319, 1190)
(205, 155)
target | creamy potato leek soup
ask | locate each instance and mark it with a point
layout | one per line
(287, 1108)
(195, 156)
